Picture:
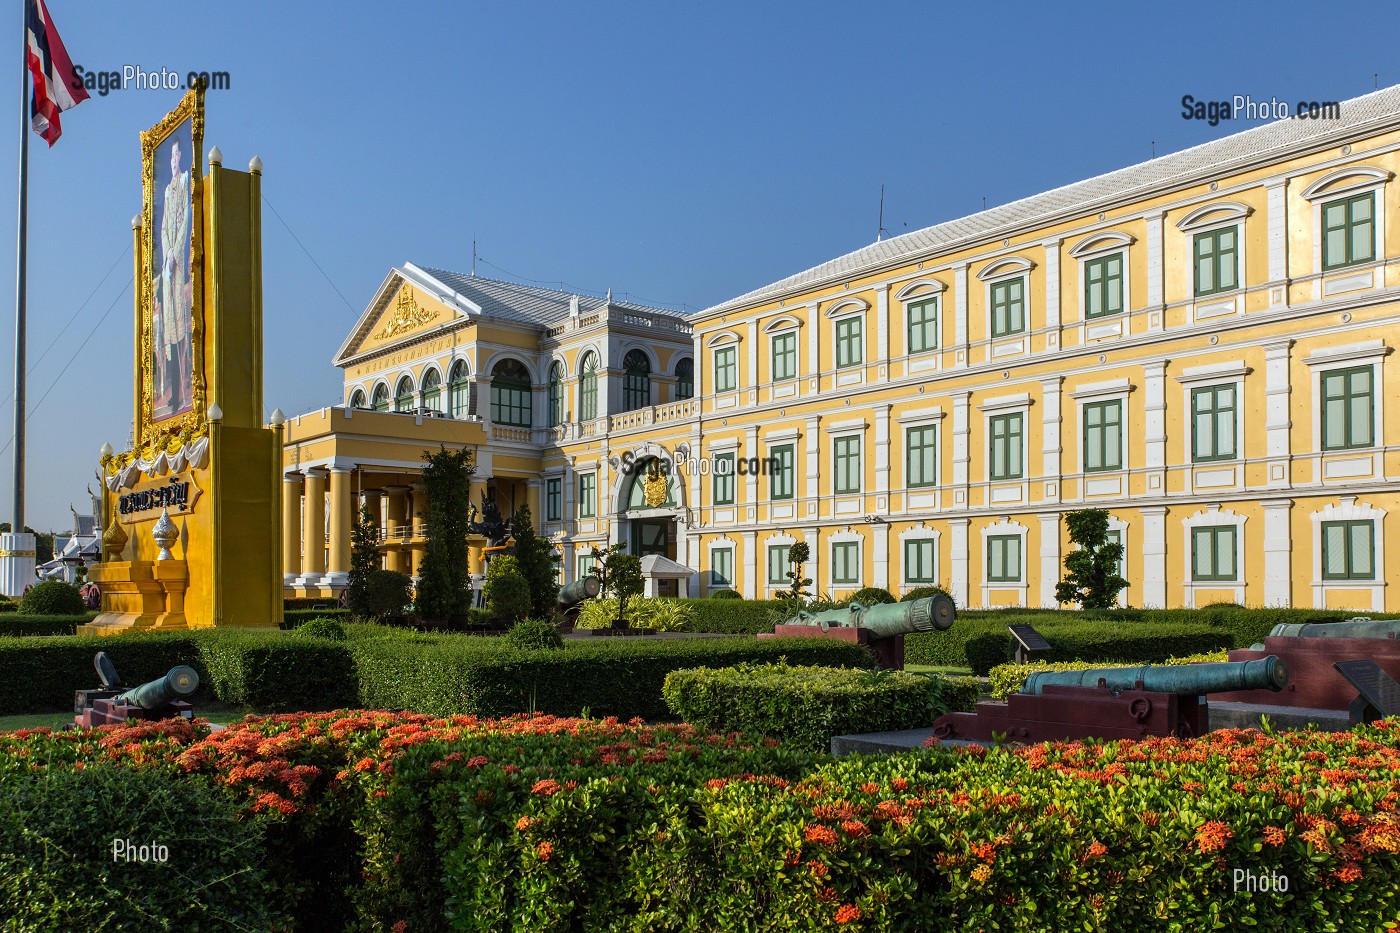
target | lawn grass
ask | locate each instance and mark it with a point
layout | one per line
(218, 713)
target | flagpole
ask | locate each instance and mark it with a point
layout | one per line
(17, 527)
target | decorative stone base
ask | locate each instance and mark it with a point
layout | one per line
(889, 652)
(139, 595)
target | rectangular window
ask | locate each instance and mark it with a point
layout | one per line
(785, 356)
(920, 457)
(1008, 307)
(1115, 536)
(1213, 554)
(923, 325)
(587, 495)
(1103, 436)
(778, 567)
(1348, 413)
(553, 500)
(726, 370)
(723, 482)
(849, 351)
(847, 463)
(1349, 550)
(1216, 261)
(1006, 446)
(1213, 423)
(919, 556)
(1004, 559)
(722, 566)
(1349, 231)
(585, 565)
(1103, 286)
(780, 477)
(845, 563)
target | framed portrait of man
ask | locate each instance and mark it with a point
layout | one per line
(171, 317)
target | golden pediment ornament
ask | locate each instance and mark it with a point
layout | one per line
(654, 486)
(407, 316)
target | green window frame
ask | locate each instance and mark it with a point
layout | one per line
(1349, 231)
(849, 340)
(588, 389)
(553, 500)
(381, 398)
(1214, 554)
(1009, 307)
(685, 379)
(781, 463)
(1103, 286)
(722, 567)
(1214, 418)
(846, 461)
(636, 381)
(459, 393)
(923, 325)
(556, 395)
(586, 563)
(921, 456)
(920, 558)
(404, 396)
(1003, 558)
(778, 566)
(511, 399)
(432, 390)
(845, 563)
(722, 481)
(726, 370)
(1349, 550)
(1114, 536)
(784, 349)
(1103, 436)
(1217, 261)
(1348, 408)
(587, 495)
(1006, 446)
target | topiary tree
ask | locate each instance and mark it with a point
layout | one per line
(798, 555)
(872, 596)
(508, 598)
(322, 628)
(619, 574)
(534, 635)
(924, 592)
(52, 598)
(444, 588)
(1092, 578)
(726, 594)
(364, 561)
(538, 562)
(386, 597)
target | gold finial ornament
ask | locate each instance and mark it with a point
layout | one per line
(114, 538)
(654, 486)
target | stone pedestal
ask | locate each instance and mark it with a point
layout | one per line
(889, 652)
(174, 578)
(16, 563)
(1312, 680)
(132, 598)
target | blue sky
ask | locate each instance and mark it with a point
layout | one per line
(679, 152)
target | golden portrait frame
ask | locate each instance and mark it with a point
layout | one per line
(172, 432)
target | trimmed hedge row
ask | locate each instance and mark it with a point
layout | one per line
(1104, 642)
(732, 616)
(14, 624)
(291, 618)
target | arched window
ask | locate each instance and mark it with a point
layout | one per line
(357, 398)
(685, 378)
(636, 380)
(432, 390)
(381, 398)
(556, 395)
(403, 396)
(459, 395)
(510, 394)
(588, 389)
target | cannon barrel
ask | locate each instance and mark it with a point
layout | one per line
(181, 681)
(1359, 628)
(578, 591)
(885, 620)
(1189, 679)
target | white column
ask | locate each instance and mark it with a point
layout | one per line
(1049, 558)
(1156, 290)
(1154, 558)
(750, 564)
(957, 545)
(1052, 293)
(962, 454)
(1276, 193)
(960, 329)
(882, 324)
(1154, 430)
(1278, 551)
(1277, 415)
(17, 562)
(882, 449)
(751, 481)
(814, 327)
(1051, 448)
(814, 562)
(752, 381)
(813, 458)
(880, 542)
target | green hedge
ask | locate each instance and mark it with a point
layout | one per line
(806, 706)
(1104, 642)
(14, 624)
(291, 618)
(41, 673)
(293, 603)
(732, 616)
(274, 672)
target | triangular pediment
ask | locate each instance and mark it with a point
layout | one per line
(407, 306)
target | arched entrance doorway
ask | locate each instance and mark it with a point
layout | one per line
(649, 511)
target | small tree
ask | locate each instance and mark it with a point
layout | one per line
(538, 561)
(619, 574)
(1091, 578)
(364, 560)
(443, 586)
(798, 555)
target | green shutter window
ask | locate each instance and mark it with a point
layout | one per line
(381, 398)
(1348, 412)
(1103, 286)
(845, 563)
(556, 395)
(636, 380)
(1103, 436)
(1115, 536)
(1349, 550)
(847, 463)
(1216, 261)
(778, 564)
(722, 567)
(920, 457)
(587, 490)
(848, 342)
(459, 395)
(685, 379)
(1004, 559)
(1213, 554)
(1348, 231)
(1213, 421)
(1009, 307)
(726, 370)
(919, 557)
(510, 394)
(403, 398)
(785, 356)
(923, 325)
(585, 565)
(1006, 447)
(553, 500)
(588, 389)
(780, 476)
(723, 480)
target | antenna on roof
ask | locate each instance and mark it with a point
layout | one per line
(1154, 148)
(473, 257)
(881, 231)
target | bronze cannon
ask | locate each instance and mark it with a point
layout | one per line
(936, 613)
(1183, 679)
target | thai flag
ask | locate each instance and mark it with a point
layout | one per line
(56, 87)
